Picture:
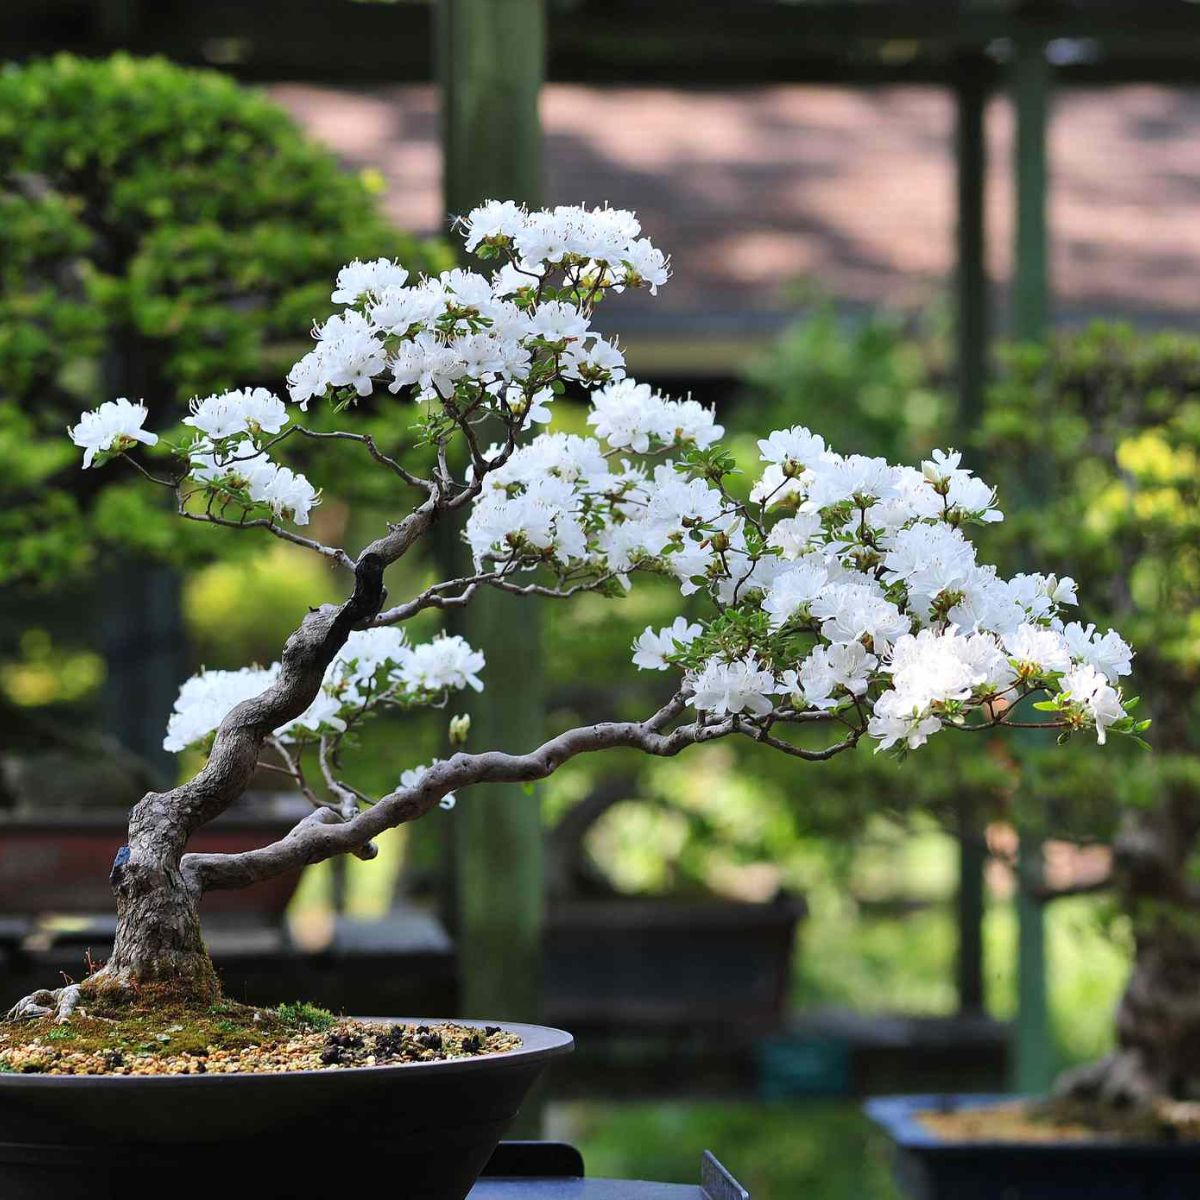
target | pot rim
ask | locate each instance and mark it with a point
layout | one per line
(539, 1043)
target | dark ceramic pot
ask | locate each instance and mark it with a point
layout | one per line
(421, 1131)
(928, 1167)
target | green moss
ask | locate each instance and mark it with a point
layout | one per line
(306, 1016)
(154, 1027)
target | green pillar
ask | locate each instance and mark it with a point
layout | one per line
(1033, 1068)
(971, 283)
(492, 63)
(1031, 287)
(971, 345)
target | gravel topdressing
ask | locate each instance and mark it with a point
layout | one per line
(268, 1045)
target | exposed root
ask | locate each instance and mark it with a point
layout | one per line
(58, 1003)
(1120, 1082)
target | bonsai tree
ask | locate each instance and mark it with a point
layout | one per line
(163, 232)
(843, 599)
(1113, 418)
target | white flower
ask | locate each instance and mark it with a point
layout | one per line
(597, 363)
(557, 321)
(396, 310)
(793, 535)
(651, 649)
(1045, 650)
(796, 445)
(896, 718)
(646, 265)
(115, 425)
(847, 666)
(206, 699)
(627, 415)
(359, 279)
(1109, 653)
(689, 421)
(245, 410)
(793, 590)
(288, 493)
(1088, 688)
(497, 220)
(727, 688)
(851, 611)
(412, 778)
(833, 479)
(445, 664)
(466, 289)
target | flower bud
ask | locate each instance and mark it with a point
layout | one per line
(460, 728)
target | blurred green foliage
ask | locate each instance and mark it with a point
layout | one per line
(164, 233)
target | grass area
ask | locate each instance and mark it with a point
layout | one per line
(826, 1150)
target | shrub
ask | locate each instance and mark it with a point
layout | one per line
(163, 233)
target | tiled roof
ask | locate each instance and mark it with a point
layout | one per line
(752, 191)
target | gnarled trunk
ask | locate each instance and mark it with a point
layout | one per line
(1158, 1021)
(158, 942)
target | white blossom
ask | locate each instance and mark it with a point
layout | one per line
(359, 279)
(651, 649)
(448, 663)
(727, 688)
(1090, 690)
(115, 425)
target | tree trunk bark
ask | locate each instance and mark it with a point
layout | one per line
(158, 944)
(1158, 1020)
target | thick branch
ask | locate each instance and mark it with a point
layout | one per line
(318, 838)
(162, 821)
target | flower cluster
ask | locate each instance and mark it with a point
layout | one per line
(853, 589)
(375, 669)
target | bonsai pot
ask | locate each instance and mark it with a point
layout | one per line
(59, 860)
(930, 1167)
(425, 1130)
(652, 963)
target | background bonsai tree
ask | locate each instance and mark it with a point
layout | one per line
(163, 233)
(1113, 416)
(842, 599)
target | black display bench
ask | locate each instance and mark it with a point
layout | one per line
(554, 1171)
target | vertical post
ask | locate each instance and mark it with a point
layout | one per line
(1033, 1065)
(1031, 93)
(971, 283)
(971, 343)
(492, 63)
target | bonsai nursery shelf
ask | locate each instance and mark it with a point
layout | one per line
(554, 1171)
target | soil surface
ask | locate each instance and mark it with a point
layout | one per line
(157, 1039)
(1064, 1121)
